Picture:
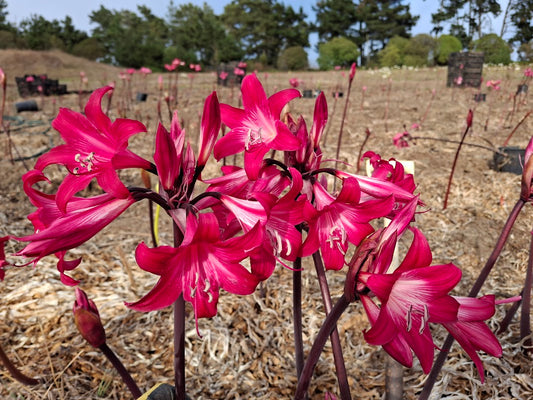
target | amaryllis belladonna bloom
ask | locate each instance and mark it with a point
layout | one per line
(95, 147)
(256, 129)
(199, 267)
(59, 230)
(341, 220)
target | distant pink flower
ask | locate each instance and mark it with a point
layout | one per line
(493, 84)
(30, 78)
(95, 148)
(82, 74)
(238, 72)
(145, 71)
(242, 65)
(197, 67)
(364, 88)
(256, 129)
(401, 139)
(2, 77)
(337, 67)
(160, 82)
(223, 75)
(294, 82)
(528, 72)
(199, 267)
(130, 71)
(170, 67)
(415, 126)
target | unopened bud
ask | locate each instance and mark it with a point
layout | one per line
(469, 118)
(87, 319)
(352, 71)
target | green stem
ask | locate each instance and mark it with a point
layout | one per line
(297, 315)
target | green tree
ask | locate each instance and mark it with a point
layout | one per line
(198, 35)
(130, 39)
(496, 50)
(293, 58)
(41, 34)
(338, 51)
(368, 23)
(89, 48)
(464, 13)
(264, 27)
(525, 52)
(521, 16)
(446, 44)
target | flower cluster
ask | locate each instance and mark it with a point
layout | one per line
(232, 235)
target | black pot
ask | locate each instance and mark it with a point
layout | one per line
(308, 94)
(141, 96)
(521, 89)
(28, 105)
(480, 97)
(509, 159)
(338, 94)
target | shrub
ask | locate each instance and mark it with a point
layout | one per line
(390, 56)
(446, 44)
(7, 40)
(420, 50)
(496, 50)
(338, 51)
(394, 52)
(293, 58)
(89, 48)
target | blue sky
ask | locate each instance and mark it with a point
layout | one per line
(80, 10)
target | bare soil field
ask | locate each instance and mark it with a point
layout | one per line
(245, 352)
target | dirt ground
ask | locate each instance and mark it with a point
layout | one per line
(246, 350)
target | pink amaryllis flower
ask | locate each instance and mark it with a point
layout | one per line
(199, 267)
(95, 147)
(57, 231)
(341, 220)
(470, 330)
(256, 129)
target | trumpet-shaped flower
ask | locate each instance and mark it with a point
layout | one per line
(471, 332)
(199, 267)
(57, 231)
(94, 147)
(342, 220)
(256, 129)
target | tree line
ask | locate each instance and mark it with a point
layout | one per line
(272, 34)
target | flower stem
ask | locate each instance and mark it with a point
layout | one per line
(179, 334)
(338, 357)
(439, 362)
(325, 331)
(516, 127)
(339, 139)
(297, 315)
(525, 317)
(455, 163)
(14, 371)
(124, 374)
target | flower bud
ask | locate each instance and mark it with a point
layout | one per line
(352, 72)
(87, 319)
(470, 118)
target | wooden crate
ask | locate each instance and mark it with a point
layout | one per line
(27, 88)
(465, 69)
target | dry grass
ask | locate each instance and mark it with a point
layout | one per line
(245, 351)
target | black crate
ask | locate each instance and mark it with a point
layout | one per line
(27, 88)
(466, 66)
